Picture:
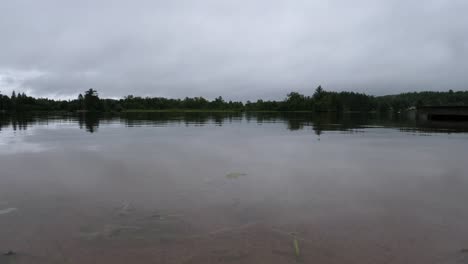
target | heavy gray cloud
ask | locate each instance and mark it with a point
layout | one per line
(238, 49)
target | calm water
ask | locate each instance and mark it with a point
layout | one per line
(232, 188)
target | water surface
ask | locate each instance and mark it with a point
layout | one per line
(232, 188)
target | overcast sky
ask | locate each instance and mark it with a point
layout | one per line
(237, 49)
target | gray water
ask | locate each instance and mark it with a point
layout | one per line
(232, 188)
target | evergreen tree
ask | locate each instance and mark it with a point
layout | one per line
(80, 102)
(91, 100)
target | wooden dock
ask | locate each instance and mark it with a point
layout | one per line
(442, 113)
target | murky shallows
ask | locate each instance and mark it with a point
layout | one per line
(232, 188)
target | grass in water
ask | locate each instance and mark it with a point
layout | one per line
(235, 175)
(297, 251)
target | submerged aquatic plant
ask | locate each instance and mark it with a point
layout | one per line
(125, 208)
(295, 238)
(108, 231)
(8, 210)
(297, 251)
(235, 175)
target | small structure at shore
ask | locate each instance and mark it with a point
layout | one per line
(443, 113)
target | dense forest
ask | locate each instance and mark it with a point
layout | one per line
(319, 101)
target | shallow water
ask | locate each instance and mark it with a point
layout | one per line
(232, 188)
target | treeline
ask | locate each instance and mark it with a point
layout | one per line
(319, 101)
(90, 101)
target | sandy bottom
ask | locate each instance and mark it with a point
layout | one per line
(128, 234)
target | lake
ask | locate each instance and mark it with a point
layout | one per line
(232, 188)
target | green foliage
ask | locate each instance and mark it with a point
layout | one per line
(297, 251)
(235, 175)
(92, 101)
(319, 101)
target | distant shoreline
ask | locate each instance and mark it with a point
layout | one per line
(129, 111)
(318, 101)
